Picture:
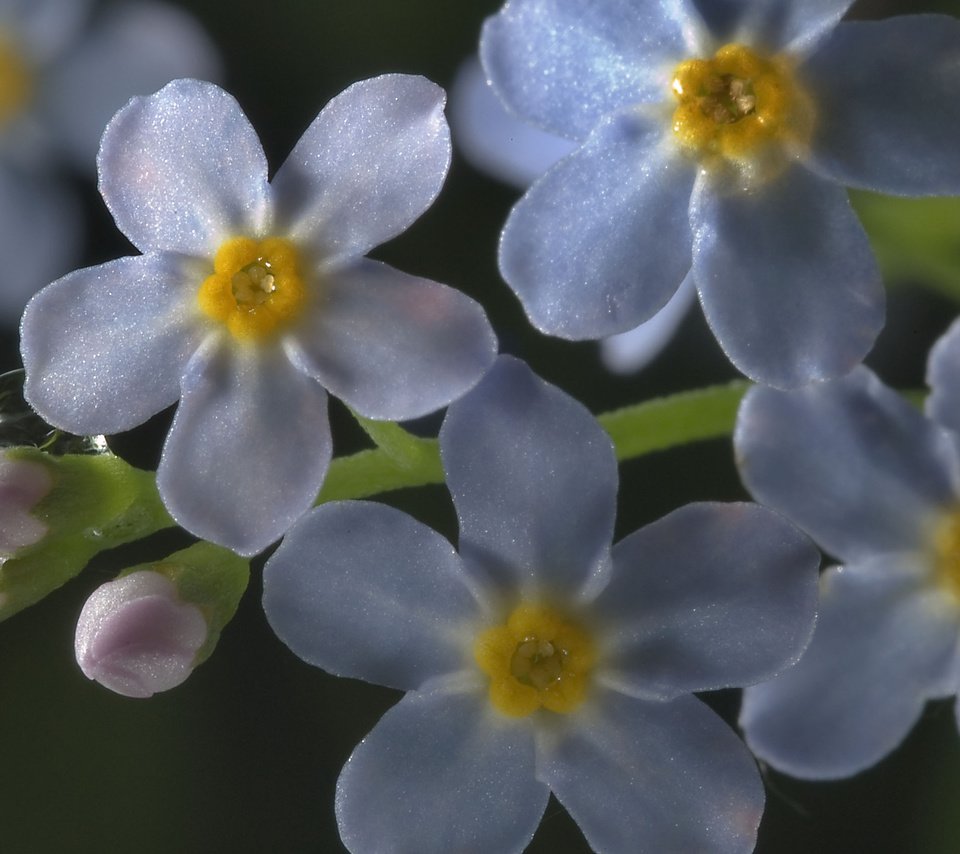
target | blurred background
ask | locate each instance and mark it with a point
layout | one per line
(244, 756)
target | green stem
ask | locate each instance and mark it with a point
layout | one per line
(654, 425)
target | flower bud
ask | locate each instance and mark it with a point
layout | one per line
(136, 636)
(22, 484)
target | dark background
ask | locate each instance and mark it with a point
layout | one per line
(244, 756)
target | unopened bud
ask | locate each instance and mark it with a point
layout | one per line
(136, 636)
(22, 484)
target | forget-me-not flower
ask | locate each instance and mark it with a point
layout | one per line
(540, 658)
(877, 485)
(64, 71)
(715, 140)
(499, 143)
(252, 299)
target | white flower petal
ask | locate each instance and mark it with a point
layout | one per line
(884, 644)
(441, 772)
(494, 140)
(132, 49)
(787, 279)
(248, 448)
(363, 590)
(104, 347)
(850, 461)
(654, 777)
(534, 481)
(370, 164)
(390, 345)
(183, 170)
(711, 596)
(602, 241)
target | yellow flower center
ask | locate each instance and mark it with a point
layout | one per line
(16, 81)
(739, 107)
(256, 289)
(539, 657)
(946, 544)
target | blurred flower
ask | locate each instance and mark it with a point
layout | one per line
(136, 637)
(717, 147)
(63, 74)
(252, 298)
(499, 143)
(540, 658)
(22, 484)
(877, 485)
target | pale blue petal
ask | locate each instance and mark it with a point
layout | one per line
(602, 241)
(44, 27)
(393, 346)
(441, 773)
(711, 596)
(791, 26)
(628, 352)
(41, 233)
(943, 377)
(370, 164)
(888, 115)
(787, 278)
(104, 347)
(494, 140)
(363, 590)
(248, 448)
(883, 646)
(654, 777)
(183, 170)
(850, 462)
(564, 64)
(534, 481)
(132, 49)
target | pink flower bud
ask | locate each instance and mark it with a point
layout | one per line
(136, 637)
(22, 485)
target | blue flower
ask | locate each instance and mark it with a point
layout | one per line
(715, 148)
(63, 74)
(877, 485)
(251, 299)
(540, 658)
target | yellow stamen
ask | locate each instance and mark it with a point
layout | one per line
(16, 81)
(740, 107)
(538, 658)
(256, 289)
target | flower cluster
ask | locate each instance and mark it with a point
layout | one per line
(665, 149)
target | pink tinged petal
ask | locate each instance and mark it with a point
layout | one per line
(631, 351)
(248, 448)
(104, 347)
(34, 212)
(136, 637)
(441, 772)
(885, 643)
(362, 590)
(850, 461)
(390, 345)
(534, 481)
(653, 777)
(711, 596)
(564, 64)
(888, 115)
(602, 241)
(132, 49)
(787, 279)
(22, 484)
(183, 170)
(494, 140)
(370, 164)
